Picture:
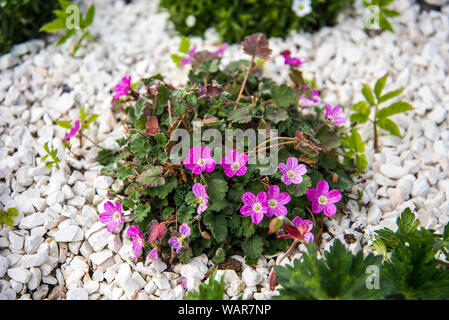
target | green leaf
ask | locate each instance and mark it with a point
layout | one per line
(46, 147)
(357, 141)
(240, 115)
(176, 59)
(284, 96)
(167, 212)
(141, 212)
(366, 91)
(185, 214)
(208, 290)
(340, 275)
(91, 119)
(361, 162)
(87, 21)
(12, 212)
(394, 108)
(299, 189)
(217, 225)
(152, 177)
(64, 124)
(276, 116)
(184, 45)
(64, 38)
(362, 107)
(216, 189)
(54, 26)
(384, 23)
(389, 126)
(140, 146)
(140, 107)
(83, 114)
(358, 117)
(64, 4)
(390, 95)
(180, 107)
(379, 86)
(390, 13)
(253, 247)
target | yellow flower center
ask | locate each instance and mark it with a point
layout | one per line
(290, 174)
(257, 207)
(116, 216)
(272, 203)
(322, 200)
(201, 162)
(235, 166)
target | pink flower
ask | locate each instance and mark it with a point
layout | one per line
(202, 92)
(314, 95)
(176, 242)
(288, 60)
(183, 283)
(122, 89)
(333, 115)
(311, 99)
(137, 239)
(220, 51)
(298, 229)
(188, 58)
(305, 102)
(151, 257)
(112, 217)
(323, 199)
(199, 160)
(276, 202)
(292, 172)
(254, 206)
(73, 131)
(234, 164)
(202, 198)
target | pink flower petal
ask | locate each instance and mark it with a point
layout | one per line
(273, 192)
(246, 210)
(317, 208)
(257, 217)
(333, 196)
(322, 187)
(330, 209)
(249, 198)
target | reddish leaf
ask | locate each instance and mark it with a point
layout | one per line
(292, 231)
(213, 90)
(157, 231)
(152, 126)
(202, 56)
(256, 45)
(272, 279)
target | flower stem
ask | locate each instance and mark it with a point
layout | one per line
(376, 146)
(93, 142)
(293, 245)
(244, 82)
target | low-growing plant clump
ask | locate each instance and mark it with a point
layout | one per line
(233, 20)
(196, 204)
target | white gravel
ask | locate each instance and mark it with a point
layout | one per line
(57, 248)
